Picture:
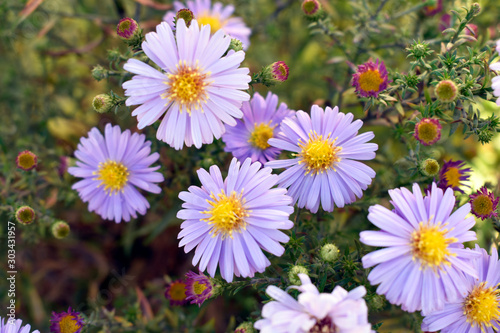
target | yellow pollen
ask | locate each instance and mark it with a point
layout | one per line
(370, 80)
(319, 154)
(178, 291)
(427, 132)
(187, 86)
(482, 205)
(69, 324)
(207, 19)
(199, 288)
(227, 214)
(261, 133)
(482, 307)
(452, 176)
(430, 246)
(113, 176)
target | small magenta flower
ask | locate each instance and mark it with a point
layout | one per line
(446, 91)
(25, 215)
(434, 9)
(66, 322)
(199, 288)
(280, 71)
(127, 28)
(428, 131)
(453, 174)
(370, 79)
(484, 203)
(311, 7)
(176, 292)
(26, 160)
(60, 230)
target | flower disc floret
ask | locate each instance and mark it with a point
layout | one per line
(453, 174)
(370, 79)
(261, 134)
(66, 322)
(423, 264)
(25, 215)
(446, 91)
(484, 203)
(26, 160)
(227, 214)
(199, 288)
(482, 306)
(428, 131)
(176, 292)
(319, 154)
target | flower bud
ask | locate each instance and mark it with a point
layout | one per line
(25, 215)
(246, 327)
(99, 73)
(329, 253)
(130, 32)
(60, 229)
(186, 15)
(26, 160)
(235, 45)
(446, 91)
(311, 7)
(429, 167)
(428, 131)
(102, 103)
(376, 302)
(293, 274)
(476, 8)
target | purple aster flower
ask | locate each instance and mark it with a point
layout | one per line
(435, 9)
(340, 311)
(199, 288)
(370, 79)
(230, 221)
(453, 174)
(217, 16)
(428, 131)
(484, 203)
(176, 292)
(423, 264)
(326, 146)
(66, 322)
(14, 326)
(112, 167)
(477, 310)
(197, 90)
(260, 122)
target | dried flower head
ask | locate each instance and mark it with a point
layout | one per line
(26, 160)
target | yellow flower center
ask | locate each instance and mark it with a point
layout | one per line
(227, 214)
(199, 288)
(69, 324)
(430, 245)
(319, 154)
(427, 132)
(482, 205)
(370, 80)
(26, 160)
(481, 307)
(124, 25)
(113, 176)
(261, 133)
(452, 176)
(207, 19)
(187, 87)
(178, 291)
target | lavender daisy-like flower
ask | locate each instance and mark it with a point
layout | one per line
(217, 16)
(340, 311)
(197, 90)
(260, 122)
(325, 170)
(230, 221)
(370, 79)
(66, 322)
(477, 310)
(423, 264)
(199, 288)
(14, 326)
(112, 168)
(453, 174)
(484, 203)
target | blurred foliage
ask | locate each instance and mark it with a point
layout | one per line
(116, 274)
